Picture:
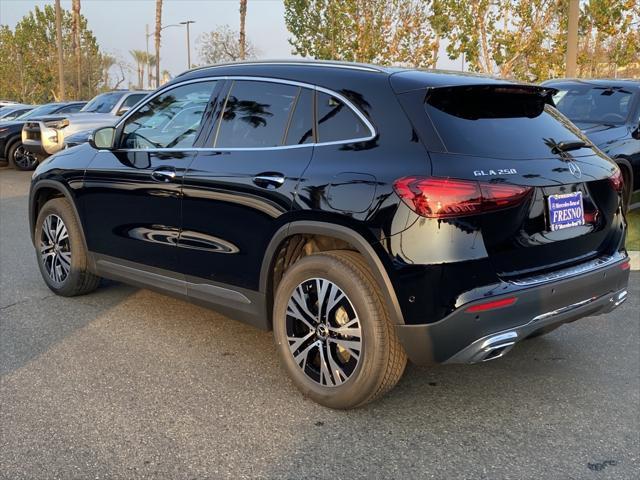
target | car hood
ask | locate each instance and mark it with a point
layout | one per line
(601, 134)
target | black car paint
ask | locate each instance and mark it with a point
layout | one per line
(212, 235)
(620, 142)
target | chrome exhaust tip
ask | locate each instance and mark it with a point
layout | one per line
(495, 347)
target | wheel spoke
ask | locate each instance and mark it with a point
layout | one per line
(295, 343)
(301, 358)
(338, 373)
(351, 346)
(64, 259)
(325, 373)
(47, 229)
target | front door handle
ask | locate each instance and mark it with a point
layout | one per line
(164, 174)
(269, 179)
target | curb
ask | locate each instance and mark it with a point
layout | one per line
(635, 259)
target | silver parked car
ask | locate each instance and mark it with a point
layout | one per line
(47, 135)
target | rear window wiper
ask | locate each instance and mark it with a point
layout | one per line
(568, 145)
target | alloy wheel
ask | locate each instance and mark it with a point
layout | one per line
(22, 158)
(323, 332)
(55, 249)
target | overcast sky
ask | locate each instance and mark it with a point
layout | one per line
(119, 25)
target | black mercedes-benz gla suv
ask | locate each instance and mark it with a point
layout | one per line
(367, 215)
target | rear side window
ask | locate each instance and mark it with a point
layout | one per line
(71, 108)
(336, 121)
(498, 121)
(255, 114)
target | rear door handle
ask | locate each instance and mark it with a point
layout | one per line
(269, 179)
(164, 174)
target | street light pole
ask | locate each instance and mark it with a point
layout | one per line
(187, 23)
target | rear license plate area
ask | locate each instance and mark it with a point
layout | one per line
(565, 211)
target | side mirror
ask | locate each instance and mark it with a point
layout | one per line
(103, 138)
(122, 111)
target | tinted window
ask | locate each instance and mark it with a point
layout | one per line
(131, 100)
(585, 103)
(103, 103)
(71, 108)
(336, 121)
(170, 120)
(301, 124)
(255, 114)
(503, 122)
(41, 110)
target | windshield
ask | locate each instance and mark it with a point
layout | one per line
(511, 122)
(39, 111)
(103, 103)
(589, 104)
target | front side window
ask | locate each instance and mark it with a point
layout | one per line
(169, 120)
(255, 114)
(336, 121)
(589, 104)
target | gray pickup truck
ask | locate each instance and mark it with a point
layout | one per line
(47, 135)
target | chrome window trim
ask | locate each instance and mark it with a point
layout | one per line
(314, 63)
(347, 102)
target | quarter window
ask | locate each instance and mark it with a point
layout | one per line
(300, 128)
(255, 114)
(169, 120)
(336, 121)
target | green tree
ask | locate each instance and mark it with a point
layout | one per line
(376, 31)
(28, 71)
(222, 45)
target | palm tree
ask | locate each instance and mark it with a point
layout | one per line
(151, 62)
(158, 30)
(243, 35)
(140, 58)
(108, 61)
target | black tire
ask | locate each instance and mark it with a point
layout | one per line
(20, 159)
(380, 362)
(70, 276)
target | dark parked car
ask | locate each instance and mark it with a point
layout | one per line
(364, 214)
(11, 112)
(11, 146)
(608, 112)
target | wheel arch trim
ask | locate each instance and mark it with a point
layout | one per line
(343, 233)
(64, 190)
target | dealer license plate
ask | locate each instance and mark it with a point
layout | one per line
(565, 211)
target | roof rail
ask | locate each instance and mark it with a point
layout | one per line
(298, 62)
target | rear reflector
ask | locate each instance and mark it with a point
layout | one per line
(450, 197)
(617, 182)
(625, 265)
(483, 307)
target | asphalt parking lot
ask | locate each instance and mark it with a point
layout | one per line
(126, 383)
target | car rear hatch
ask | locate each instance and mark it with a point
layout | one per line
(544, 197)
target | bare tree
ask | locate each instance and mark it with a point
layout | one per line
(243, 33)
(60, 54)
(222, 45)
(75, 41)
(158, 32)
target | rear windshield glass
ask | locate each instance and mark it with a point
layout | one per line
(103, 103)
(588, 104)
(498, 121)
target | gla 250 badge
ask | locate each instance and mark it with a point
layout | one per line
(496, 172)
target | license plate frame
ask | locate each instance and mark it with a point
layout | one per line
(565, 210)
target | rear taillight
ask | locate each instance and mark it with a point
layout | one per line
(450, 197)
(616, 180)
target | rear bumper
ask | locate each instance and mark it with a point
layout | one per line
(471, 337)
